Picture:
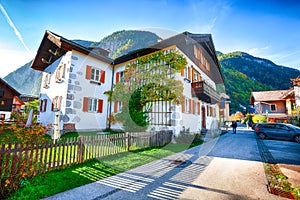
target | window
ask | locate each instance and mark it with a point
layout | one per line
(186, 72)
(120, 76)
(46, 81)
(56, 103)
(3, 102)
(273, 107)
(118, 106)
(187, 105)
(1, 93)
(60, 73)
(92, 105)
(43, 105)
(95, 74)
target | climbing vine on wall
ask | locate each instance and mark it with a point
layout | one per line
(147, 79)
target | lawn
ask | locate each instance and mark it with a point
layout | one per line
(50, 183)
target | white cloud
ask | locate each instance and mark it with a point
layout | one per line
(258, 50)
(11, 60)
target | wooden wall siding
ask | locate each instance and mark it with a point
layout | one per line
(43, 157)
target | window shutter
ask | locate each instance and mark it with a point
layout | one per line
(53, 103)
(189, 73)
(102, 76)
(100, 105)
(63, 71)
(182, 72)
(48, 78)
(199, 108)
(190, 106)
(117, 77)
(116, 106)
(182, 104)
(88, 72)
(41, 105)
(45, 105)
(193, 78)
(85, 104)
(59, 102)
(193, 107)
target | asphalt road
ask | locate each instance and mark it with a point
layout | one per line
(228, 167)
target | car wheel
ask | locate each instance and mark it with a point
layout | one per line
(297, 138)
(261, 136)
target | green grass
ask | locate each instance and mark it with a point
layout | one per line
(48, 184)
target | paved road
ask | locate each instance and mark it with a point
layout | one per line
(228, 167)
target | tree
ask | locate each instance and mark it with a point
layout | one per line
(148, 79)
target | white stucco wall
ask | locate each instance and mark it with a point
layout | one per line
(79, 87)
(55, 89)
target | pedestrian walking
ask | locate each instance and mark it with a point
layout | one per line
(234, 125)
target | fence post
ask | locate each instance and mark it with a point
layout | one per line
(128, 142)
(80, 152)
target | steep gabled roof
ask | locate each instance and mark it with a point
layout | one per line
(53, 46)
(185, 42)
(274, 95)
(10, 87)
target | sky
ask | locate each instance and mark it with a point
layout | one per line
(265, 28)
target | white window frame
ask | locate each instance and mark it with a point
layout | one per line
(187, 105)
(95, 74)
(274, 106)
(93, 105)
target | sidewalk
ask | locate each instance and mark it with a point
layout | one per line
(228, 167)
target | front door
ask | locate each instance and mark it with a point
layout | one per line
(203, 123)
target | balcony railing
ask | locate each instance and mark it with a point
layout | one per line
(205, 92)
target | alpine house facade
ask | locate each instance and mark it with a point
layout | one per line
(76, 80)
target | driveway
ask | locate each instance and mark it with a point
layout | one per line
(228, 167)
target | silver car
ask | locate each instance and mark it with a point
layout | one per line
(278, 131)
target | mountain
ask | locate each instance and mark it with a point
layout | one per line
(244, 73)
(25, 80)
(121, 42)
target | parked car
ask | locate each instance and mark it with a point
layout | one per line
(277, 131)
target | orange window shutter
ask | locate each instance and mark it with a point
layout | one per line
(116, 106)
(88, 72)
(117, 77)
(100, 105)
(193, 106)
(199, 108)
(102, 77)
(190, 106)
(183, 104)
(182, 72)
(189, 73)
(193, 71)
(85, 104)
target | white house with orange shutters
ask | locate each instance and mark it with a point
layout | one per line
(76, 80)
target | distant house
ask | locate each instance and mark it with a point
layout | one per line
(9, 100)
(276, 105)
(76, 79)
(224, 107)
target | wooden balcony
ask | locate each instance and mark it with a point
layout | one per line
(205, 92)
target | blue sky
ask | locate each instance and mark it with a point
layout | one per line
(267, 28)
